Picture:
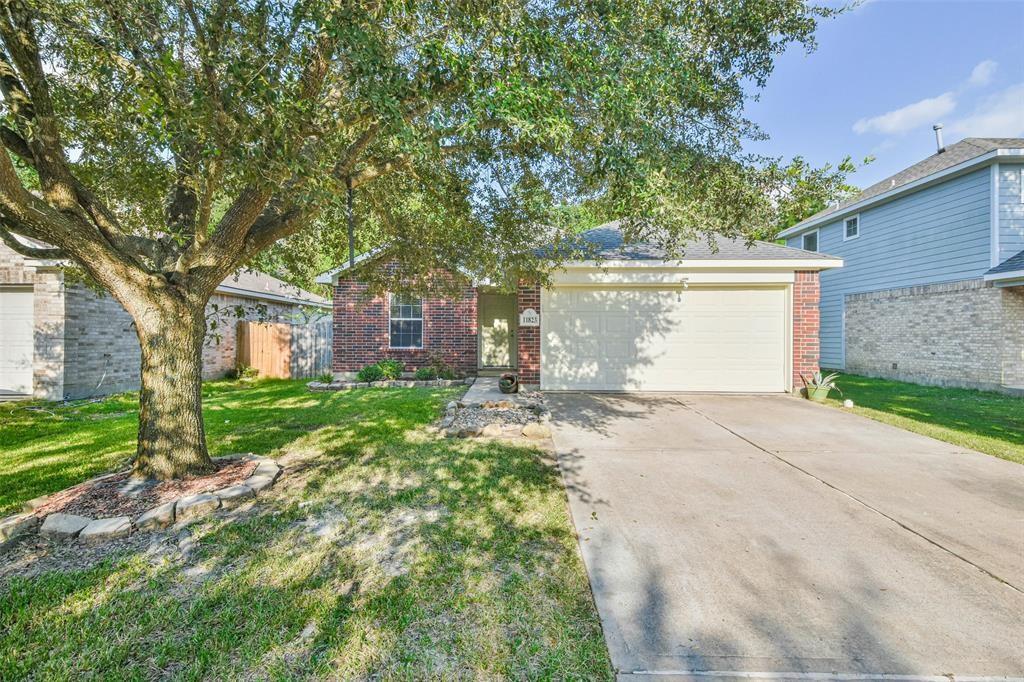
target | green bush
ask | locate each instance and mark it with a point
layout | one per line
(425, 374)
(325, 378)
(245, 373)
(392, 369)
(370, 373)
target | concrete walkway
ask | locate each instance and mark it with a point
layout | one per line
(765, 537)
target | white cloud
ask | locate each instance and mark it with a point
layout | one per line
(916, 115)
(981, 75)
(999, 115)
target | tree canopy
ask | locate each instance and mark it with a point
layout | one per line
(175, 140)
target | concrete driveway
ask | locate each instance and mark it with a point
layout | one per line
(727, 536)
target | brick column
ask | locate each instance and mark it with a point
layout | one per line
(529, 337)
(806, 325)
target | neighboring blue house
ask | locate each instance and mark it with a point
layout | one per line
(932, 290)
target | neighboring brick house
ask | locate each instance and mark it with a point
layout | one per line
(63, 341)
(932, 290)
(732, 318)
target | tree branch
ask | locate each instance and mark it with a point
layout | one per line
(29, 251)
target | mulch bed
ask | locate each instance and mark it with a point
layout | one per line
(119, 495)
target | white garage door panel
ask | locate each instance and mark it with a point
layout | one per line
(699, 339)
(16, 340)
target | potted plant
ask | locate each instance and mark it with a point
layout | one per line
(819, 385)
(508, 383)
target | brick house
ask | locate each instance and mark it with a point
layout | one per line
(932, 287)
(735, 318)
(61, 340)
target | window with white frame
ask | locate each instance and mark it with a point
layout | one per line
(406, 321)
(851, 227)
(810, 241)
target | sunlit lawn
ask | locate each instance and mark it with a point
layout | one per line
(384, 552)
(988, 422)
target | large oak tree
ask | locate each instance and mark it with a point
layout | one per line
(159, 145)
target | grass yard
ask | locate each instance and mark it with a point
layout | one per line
(988, 422)
(384, 552)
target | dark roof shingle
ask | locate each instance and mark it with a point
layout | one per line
(957, 153)
(1011, 264)
(606, 241)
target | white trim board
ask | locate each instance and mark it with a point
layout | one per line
(895, 192)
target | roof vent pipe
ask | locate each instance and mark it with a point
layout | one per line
(938, 138)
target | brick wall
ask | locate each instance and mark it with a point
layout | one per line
(219, 353)
(529, 337)
(964, 333)
(85, 343)
(362, 330)
(1013, 336)
(806, 323)
(48, 319)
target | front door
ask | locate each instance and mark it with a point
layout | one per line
(497, 318)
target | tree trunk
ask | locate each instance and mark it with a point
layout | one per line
(172, 440)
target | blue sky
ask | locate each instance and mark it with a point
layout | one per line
(885, 72)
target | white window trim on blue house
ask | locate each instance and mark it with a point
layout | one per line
(817, 242)
(846, 222)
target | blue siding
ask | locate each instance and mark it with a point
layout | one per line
(1011, 210)
(939, 234)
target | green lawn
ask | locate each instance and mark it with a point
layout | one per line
(988, 422)
(384, 552)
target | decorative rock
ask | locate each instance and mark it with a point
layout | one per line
(447, 421)
(258, 483)
(451, 432)
(362, 384)
(469, 381)
(157, 517)
(13, 526)
(64, 525)
(195, 506)
(451, 406)
(234, 495)
(267, 468)
(492, 431)
(536, 431)
(469, 431)
(35, 503)
(847, 403)
(101, 530)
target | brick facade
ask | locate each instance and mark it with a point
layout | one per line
(85, 343)
(529, 337)
(806, 318)
(966, 333)
(362, 330)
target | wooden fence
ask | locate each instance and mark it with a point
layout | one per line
(285, 351)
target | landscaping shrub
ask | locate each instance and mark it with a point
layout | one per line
(370, 373)
(244, 373)
(441, 368)
(425, 374)
(392, 369)
(325, 378)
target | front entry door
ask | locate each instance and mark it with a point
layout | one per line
(497, 319)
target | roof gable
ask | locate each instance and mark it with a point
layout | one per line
(955, 155)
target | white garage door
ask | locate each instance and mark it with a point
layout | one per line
(15, 340)
(697, 339)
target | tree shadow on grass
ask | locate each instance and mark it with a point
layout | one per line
(383, 551)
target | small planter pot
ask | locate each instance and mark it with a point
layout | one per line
(508, 383)
(817, 393)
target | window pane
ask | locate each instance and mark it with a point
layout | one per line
(407, 334)
(406, 307)
(852, 225)
(811, 241)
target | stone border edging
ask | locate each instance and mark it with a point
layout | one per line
(184, 509)
(317, 386)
